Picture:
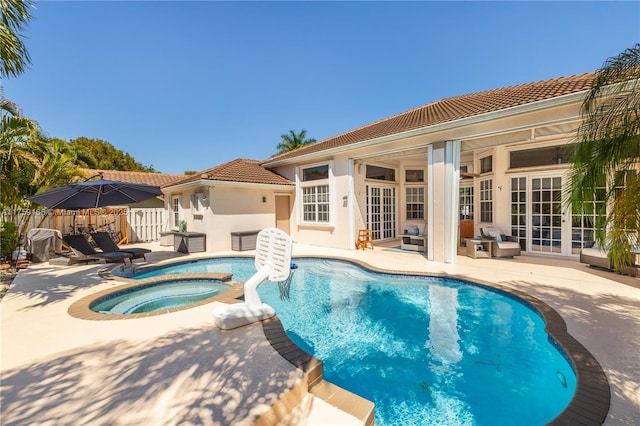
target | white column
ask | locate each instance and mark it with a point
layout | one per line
(351, 200)
(443, 171)
(452, 197)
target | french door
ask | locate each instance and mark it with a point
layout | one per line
(539, 215)
(381, 211)
(547, 216)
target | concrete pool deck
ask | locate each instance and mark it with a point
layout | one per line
(179, 368)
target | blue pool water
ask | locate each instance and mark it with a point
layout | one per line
(158, 296)
(424, 350)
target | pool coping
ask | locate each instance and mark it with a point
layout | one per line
(589, 406)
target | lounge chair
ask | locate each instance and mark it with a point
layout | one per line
(106, 244)
(81, 247)
(503, 245)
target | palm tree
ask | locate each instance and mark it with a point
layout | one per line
(293, 140)
(14, 57)
(606, 154)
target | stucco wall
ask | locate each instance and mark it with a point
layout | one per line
(551, 125)
(228, 209)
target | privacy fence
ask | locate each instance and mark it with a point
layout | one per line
(139, 224)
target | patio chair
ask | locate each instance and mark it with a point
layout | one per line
(81, 247)
(106, 244)
(364, 239)
(503, 245)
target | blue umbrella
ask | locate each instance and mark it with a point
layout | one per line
(94, 194)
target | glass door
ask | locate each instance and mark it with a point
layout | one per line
(547, 221)
(381, 211)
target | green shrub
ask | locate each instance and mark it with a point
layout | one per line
(8, 238)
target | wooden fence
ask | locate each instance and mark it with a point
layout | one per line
(144, 224)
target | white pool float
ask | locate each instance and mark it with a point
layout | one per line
(273, 262)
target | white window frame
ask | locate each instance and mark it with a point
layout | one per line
(322, 186)
(414, 198)
(467, 202)
(176, 210)
(485, 198)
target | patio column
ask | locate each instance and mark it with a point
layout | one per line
(443, 171)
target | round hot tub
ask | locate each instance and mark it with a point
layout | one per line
(158, 296)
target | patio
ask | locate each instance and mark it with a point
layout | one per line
(178, 368)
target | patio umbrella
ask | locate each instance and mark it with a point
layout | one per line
(93, 194)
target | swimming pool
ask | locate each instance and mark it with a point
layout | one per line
(425, 350)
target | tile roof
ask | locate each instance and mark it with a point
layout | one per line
(157, 179)
(239, 170)
(450, 109)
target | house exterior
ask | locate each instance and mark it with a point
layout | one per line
(238, 196)
(495, 158)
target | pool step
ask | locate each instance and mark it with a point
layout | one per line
(361, 409)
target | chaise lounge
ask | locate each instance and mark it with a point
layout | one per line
(81, 247)
(503, 245)
(106, 244)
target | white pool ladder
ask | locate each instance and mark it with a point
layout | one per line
(273, 262)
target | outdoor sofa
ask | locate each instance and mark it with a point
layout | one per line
(503, 245)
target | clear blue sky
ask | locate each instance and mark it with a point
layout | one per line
(189, 85)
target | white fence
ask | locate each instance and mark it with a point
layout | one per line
(145, 224)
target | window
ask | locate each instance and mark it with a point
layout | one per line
(315, 203)
(466, 203)
(519, 210)
(486, 164)
(414, 176)
(315, 194)
(538, 157)
(486, 201)
(175, 210)
(315, 173)
(381, 173)
(415, 202)
(585, 224)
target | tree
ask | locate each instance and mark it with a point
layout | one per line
(99, 154)
(14, 57)
(606, 153)
(293, 140)
(16, 136)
